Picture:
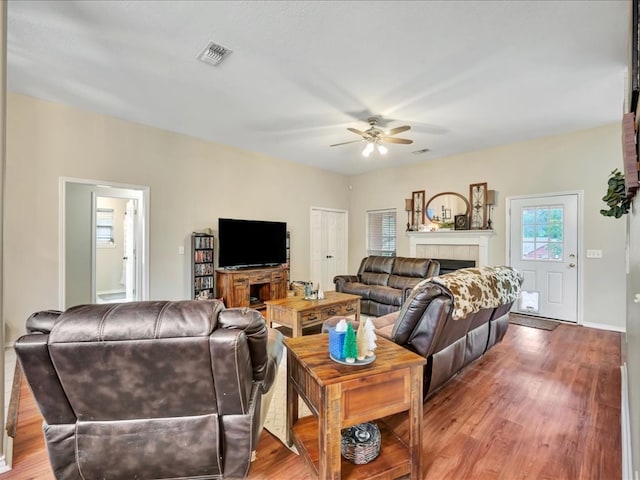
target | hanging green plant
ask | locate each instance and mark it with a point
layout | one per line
(616, 197)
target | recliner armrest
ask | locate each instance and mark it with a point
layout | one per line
(340, 280)
(255, 328)
(275, 348)
(32, 351)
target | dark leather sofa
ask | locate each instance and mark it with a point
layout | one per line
(381, 282)
(150, 390)
(451, 320)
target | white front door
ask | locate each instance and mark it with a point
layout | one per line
(328, 246)
(543, 245)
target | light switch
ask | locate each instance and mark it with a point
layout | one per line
(594, 253)
(180, 250)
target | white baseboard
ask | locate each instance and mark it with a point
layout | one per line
(6, 460)
(625, 423)
(604, 326)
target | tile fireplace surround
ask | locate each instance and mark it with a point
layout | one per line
(452, 244)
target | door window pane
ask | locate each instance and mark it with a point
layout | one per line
(542, 233)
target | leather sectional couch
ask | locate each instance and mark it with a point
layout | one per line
(382, 282)
(451, 320)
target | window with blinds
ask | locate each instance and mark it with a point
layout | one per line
(104, 227)
(381, 232)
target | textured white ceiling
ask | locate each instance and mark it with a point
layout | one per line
(465, 75)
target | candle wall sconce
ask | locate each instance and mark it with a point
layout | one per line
(418, 209)
(491, 201)
(408, 207)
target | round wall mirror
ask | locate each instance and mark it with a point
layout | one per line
(444, 206)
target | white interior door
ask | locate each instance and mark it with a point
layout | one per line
(328, 246)
(544, 247)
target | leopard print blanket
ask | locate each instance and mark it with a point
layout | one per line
(480, 287)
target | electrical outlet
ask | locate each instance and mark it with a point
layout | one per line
(594, 253)
(180, 250)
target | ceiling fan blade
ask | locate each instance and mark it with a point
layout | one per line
(344, 143)
(359, 132)
(406, 141)
(393, 131)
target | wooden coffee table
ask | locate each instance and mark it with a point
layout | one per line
(341, 395)
(298, 313)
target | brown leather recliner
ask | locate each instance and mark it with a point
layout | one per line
(150, 390)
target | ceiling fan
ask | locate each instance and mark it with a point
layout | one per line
(374, 137)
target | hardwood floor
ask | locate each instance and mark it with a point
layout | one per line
(540, 405)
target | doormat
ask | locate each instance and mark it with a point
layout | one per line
(534, 322)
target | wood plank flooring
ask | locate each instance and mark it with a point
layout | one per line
(541, 405)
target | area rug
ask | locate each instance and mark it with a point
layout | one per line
(276, 417)
(534, 322)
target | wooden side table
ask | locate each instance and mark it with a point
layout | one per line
(343, 395)
(298, 313)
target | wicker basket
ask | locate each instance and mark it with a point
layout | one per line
(361, 443)
(298, 288)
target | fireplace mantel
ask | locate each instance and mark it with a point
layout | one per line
(454, 241)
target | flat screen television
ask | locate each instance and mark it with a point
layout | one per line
(249, 243)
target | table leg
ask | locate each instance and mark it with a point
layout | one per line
(329, 425)
(357, 311)
(292, 401)
(296, 328)
(415, 424)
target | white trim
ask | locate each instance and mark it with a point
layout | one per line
(141, 193)
(625, 421)
(454, 237)
(601, 326)
(580, 226)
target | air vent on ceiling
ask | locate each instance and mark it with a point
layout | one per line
(213, 54)
(422, 150)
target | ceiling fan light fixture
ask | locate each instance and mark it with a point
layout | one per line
(368, 149)
(382, 149)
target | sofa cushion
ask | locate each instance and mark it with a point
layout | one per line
(396, 281)
(411, 267)
(371, 278)
(375, 269)
(357, 288)
(407, 272)
(387, 295)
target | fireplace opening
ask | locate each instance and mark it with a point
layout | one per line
(448, 265)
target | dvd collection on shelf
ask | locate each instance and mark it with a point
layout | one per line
(202, 270)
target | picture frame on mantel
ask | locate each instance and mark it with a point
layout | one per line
(478, 202)
(417, 215)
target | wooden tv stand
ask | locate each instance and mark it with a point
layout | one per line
(250, 287)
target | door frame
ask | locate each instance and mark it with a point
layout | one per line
(580, 237)
(143, 213)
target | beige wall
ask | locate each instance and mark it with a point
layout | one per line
(192, 183)
(579, 161)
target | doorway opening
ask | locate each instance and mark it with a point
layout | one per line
(103, 243)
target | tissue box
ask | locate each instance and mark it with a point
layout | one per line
(336, 342)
